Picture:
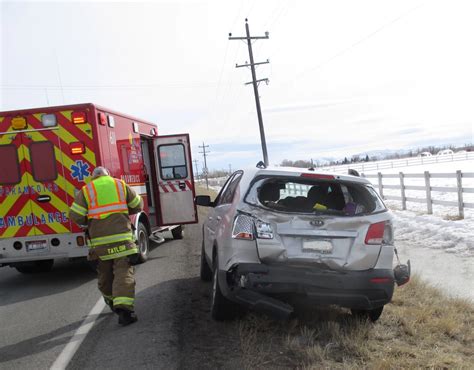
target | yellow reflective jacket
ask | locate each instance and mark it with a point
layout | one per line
(104, 206)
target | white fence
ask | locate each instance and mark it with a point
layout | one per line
(433, 194)
(412, 161)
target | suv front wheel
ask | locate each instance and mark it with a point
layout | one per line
(206, 272)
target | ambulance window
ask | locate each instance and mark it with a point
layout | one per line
(43, 161)
(9, 165)
(172, 161)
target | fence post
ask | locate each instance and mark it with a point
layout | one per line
(380, 185)
(460, 198)
(429, 203)
(402, 187)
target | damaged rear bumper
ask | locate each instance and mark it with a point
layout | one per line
(254, 285)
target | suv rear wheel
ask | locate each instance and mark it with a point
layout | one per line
(221, 308)
(372, 315)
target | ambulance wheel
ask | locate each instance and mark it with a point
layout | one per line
(143, 242)
(37, 266)
(177, 232)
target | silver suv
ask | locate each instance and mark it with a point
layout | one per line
(277, 232)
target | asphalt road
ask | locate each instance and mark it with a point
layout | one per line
(40, 313)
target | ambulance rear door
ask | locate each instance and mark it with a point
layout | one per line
(15, 207)
(175, 180)
(45, 152)
(32, 197)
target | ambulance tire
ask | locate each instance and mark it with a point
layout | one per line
(92, 265)
(35, 267)
(143, 242)
(177, 232)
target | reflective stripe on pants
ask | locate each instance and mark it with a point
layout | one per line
(116, 280)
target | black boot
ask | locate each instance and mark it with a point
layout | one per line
(126, 317)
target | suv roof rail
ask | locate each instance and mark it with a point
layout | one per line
(261, 165)
(353, 172)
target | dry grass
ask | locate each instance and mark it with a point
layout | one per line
(452, 218)
(421, 328)
(201, 190)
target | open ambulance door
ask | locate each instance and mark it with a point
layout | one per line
(175, 180)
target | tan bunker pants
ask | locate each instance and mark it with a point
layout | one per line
(117, 283)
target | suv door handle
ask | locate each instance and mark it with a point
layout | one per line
(218, 218)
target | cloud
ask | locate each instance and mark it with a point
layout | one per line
(305, 106)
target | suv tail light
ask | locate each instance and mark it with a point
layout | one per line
(264, 230)
(246, 227)
(380, 233)
(243, 228)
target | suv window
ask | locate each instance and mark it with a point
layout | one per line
(316, 196)
(228, 191)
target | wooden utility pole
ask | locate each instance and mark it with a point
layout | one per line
(205, 170)
(255, 83)
(196, 167)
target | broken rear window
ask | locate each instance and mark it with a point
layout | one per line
(303, 196)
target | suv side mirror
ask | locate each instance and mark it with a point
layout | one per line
(204, 200)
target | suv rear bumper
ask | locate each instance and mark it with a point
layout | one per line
(251, 284)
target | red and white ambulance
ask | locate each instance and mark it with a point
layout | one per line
(48, 154)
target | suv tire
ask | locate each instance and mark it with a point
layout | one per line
(206, 272)
(221, 308)
(372, 315)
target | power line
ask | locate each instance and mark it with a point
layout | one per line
(106, 87)
(360, 41)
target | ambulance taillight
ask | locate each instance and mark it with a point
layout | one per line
(102, 119)
(79, 117)
(77, 147)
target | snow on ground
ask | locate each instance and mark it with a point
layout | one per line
(440, 246)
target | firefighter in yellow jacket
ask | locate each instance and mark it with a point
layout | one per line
(103, 206)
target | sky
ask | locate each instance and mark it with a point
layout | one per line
(345, 77)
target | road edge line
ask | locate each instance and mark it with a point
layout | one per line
(76, 340)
